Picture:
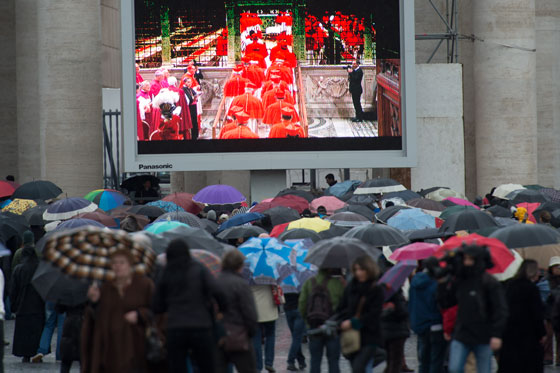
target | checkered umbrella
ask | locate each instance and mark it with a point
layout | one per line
(211, 261)
(552, 194)
(84, 252)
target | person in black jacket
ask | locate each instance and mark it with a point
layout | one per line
(355, 75)
(394, 325)
(185, 291)
(482, 310)
(241, 312)
(70, 340)
(365, 318)
(525, 334)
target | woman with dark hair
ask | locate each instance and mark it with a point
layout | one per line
(240, 319)
(522, 349)
(360, 309)
(185, 291)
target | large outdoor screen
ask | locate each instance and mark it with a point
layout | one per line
(255, 84)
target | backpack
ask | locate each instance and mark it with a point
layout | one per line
(319, 306)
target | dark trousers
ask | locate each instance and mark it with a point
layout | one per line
(551, 335)
(2, 349)
(199, 344)
(194, 120)
(395, 355)
(357, 104)
(360, 359)
(243, 361)
(297, 329)
(431, 347)
(268, 329)
(65, 366)
(316, 346)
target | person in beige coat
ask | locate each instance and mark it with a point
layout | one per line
(267, 314)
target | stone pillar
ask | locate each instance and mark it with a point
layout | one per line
(58, 58)
(234, 37)
(505, 93)
(298, 30)
(368, 41)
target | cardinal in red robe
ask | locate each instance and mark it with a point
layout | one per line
(256, 48)
(286, 128)
(279, 68)
(235, 85)
(273, 113)
(269, 97)
(249, 103)
(254, 73)
(241, 131)
(185, 124)
(274, 83)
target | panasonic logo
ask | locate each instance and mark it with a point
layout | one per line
(154, 166)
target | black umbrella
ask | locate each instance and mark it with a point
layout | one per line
(136, 182)
(547, 206)
(333, 231)
(499, 211)
(348, 219)
(12, 225)
(298, 233)
(359, 209)
(426, 204)
(182, 216)
(551, 194)
(220, 209)
(378, 235)
(196, 238)
(388, 212)
(405, 195)
(55, 286)
(34, 215)
(468, 220)
(426, 234)
(147, 210)
(209, 226)
(38, 189)
(378, 186)
(340, 252)
(297, 192)
(526, 235)
(424, 192)
(242, 231)
(280, 215)
(364, 200)
(526, 195)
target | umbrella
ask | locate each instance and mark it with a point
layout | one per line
(461, 202)
(55, 286)
(405, 195)
(348, 219)
(395, 277)
(68, 207)
(500, 254)
(314, 224)
(525, 235)
(99, 217)
(378, 235)
(526, 195)
(468, 220)
(240, 219)
(445, 214)
(84, 252)
(530, 207)
(425, 192)
(426, 204)
(299, 233)
(227, 207)
(340, 252)
(388, 212)
(147, 210)
(242, 231)
(136, 182)
(333, 231)
(159, 227)
(12, 225)
(547, 206)
(379, 186)
(263, 259)
(443, 193)
(294, 202)
(211, 261)
(551, 194)
(359, 209)
(364, 200)
(38, 189)
(209, 225)
(411, 219)
(19, 206)
(218, 194)
(6, 189)
(426, 234)
(297, 192)
(34, 215)
(196, 238)
(78, 222)
(185, 201)
(499, 211)
(330, 203)
(512, 269)
(107, 199)
(340, 189)
(298, 272)
(280, 214)
(183, 217)
(414, 251)
(166, 206)
(503, 190)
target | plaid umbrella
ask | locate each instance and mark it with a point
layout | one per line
(182, 216)
(395, 277)
(38, 189)
(379, 186)
(84, 252)
(551, 194)
(211, 261)
(19, 206)
(107, 199)
(263, 259)
(6, 189)
(67, 208)
(218, 194)
(166, 206)
(185, 201)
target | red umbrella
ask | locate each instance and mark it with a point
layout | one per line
(289, 200)
(502, 257)
(530, 207)
(6, 189)
(185, 201)
(279, 229)
(414, 251)
(331, 203)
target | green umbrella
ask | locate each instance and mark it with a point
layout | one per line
(163, 226)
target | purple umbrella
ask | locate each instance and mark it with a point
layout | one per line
(395, 277)
(67, 208)
(219, 194)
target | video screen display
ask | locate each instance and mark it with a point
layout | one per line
(260, 76)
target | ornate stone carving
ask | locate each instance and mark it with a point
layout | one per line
(210, 89)
(332, 87)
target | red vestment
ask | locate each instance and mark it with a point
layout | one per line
(185, 124)
(282, 130)
(270, 97)
(235, 86)
(139, 78)
(226, 128)
(270, 86)
(155, 87)
(168, 129)
(241, 132)
(273, 113)
(282, 70)
(255, 74)
(250, 104)
(256, 48)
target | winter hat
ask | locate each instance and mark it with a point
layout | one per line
(28, 238)
(554, 261)
(211, 215)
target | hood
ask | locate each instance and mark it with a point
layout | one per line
(421, 281)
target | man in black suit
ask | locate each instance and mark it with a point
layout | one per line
(355, 75)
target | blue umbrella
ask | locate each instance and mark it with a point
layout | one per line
(395, 277)
(166, 206)
(67, 208)
(294, 276)
(411, 219)
(240, 219)
(263, 259)
(340, 189)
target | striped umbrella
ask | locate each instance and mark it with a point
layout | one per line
(107, 199)
(67, 208)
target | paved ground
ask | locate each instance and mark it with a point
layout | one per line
(13, 364)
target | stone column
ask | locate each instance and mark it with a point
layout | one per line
(368, 41)
(59, 93)
(298, 30)
(234, 37)
(505, 93)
